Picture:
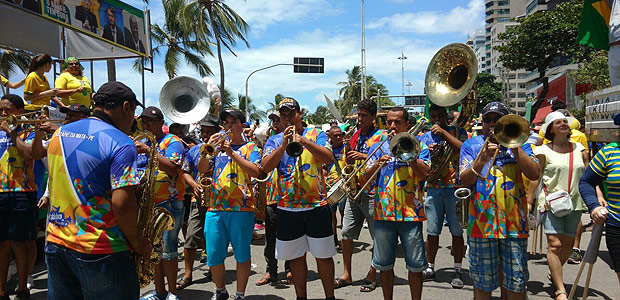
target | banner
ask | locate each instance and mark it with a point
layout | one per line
(43, 35)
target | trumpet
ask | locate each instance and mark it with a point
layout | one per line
(294, 148)
(208, 151)
(12, 121)
(462, 206)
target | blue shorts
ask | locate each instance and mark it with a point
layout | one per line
(18, 216)
(224, 227)
(171, 237)
(566, 225)
(440, 202)
(386, 239)
(484, 257)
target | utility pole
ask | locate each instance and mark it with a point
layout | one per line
(402, 64)
(409, 85)
(363, 63)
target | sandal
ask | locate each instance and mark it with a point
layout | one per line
(339, 282)
(267, 279)
(183, 283)
(368, 286)
(289, 278)
(560, 293)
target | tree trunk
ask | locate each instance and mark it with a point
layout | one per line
(541, 97)
(111, 70)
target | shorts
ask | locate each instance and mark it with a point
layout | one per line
(612, 236)
(440, 202)
(339, 206)
(171, 237)
(187, 206)
(18, 216)
(566, 225)
(484, 257)
(354, 215)
(194, 237)
(298, 232)
(224, 227)
(386, 238)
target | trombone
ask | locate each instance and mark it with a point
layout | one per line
(208, 150)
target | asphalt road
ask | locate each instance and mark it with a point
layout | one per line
(604, 283)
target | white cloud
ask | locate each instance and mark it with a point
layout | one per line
(458, 20)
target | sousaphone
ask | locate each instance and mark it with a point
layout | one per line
(186, 100)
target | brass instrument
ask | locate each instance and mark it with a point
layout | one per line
(450, 78)
(186, 100)
(208, 151)
(294, 148)
(260, 191)
(152, 221)
(510, 131)
(462, 207)
(401, 142)
(205, 183)
(336, 192)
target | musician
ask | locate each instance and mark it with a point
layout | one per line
(497, 228)
(334, 173)
(230, 217)
(440, 200)
(194, 237)
(304, 218)
(355, 212)
(93, 209)
(271, 218)
(169, 192)
(399, 208)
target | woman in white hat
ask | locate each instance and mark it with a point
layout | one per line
(562, 163)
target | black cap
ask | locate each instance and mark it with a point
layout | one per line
(210, 120)
(152, 112)
(76, 107)
(495, 107)
(289, 103)
(237, 114)
(115, 91)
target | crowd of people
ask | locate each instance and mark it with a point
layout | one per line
(95, 164)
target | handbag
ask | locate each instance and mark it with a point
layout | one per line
(560, 202)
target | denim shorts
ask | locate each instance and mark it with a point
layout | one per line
(75, 275)
(18, 216)
(386, 238)
(566, 225)
(484, 257)
(224, 227)
(171, 237)
(440, 202)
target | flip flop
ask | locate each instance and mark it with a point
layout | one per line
(265, 280)
(368, 286)
(339, 282)
(183, 283)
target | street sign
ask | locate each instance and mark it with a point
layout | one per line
(308, 64)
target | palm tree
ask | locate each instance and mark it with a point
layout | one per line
(273, 106)
(11, 61)
(350, 92)
(215, 19)
(178, 42)
(254, 112)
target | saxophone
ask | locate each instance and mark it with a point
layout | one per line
(152, 221)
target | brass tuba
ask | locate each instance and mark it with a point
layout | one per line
(186, 100)
(450, 79)
(152, 221)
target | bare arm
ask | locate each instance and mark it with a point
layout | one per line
(36, 96)
(528, 165)
(533, 187)
(322, 154)
(420, 169)
(125, 210)
(38, 151)
(16, 85)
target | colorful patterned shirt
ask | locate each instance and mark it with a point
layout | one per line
(190, 164)
(606, 163)
(232, 187)
(362, 144)
(498, 205)
(272, 185)
(398, 197)
(300, 179)
(170, 186)
(88, 159)
(16, 174)
(339, 156)
(449, 176)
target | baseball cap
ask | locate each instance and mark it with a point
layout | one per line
(495, 107)
(115, 91)
(76, 107)
(237, 114)
(289, 103)
(210, 120)
(152, 112)
(275, 114)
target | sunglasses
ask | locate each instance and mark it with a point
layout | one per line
(490, 120)
(73, 64)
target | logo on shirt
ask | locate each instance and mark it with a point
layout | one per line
(58, 217)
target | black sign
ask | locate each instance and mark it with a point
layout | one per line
(415, 100)
(308, 65)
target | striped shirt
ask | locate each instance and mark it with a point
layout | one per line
(606, 163)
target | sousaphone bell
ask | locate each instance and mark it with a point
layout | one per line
(186, 100)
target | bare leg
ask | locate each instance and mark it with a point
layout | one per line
(559, 249)
(190, 256)
(5, 260)
(372, 274)
(578, 235)
(22, 260)
(481, 295)
(432, 244)
(218, 273)
(457, 248)
(243, 274)
(160, 284)
(387, 284)
(334, 224)
(299, 268)
(347, 254)
(415, 285)
(32, 252)
(170, 269)
(325, 267)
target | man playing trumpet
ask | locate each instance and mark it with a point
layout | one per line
(230, 217)
(304, 218)
(399, 208)
(497, 227)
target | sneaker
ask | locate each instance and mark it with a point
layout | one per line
(428, 274)
(575, 257)
(203, 257)
(22, 295)
(239, 298)
(457, 280)
(221, 296)
(30, 282)
(172, 296)
(154, 296)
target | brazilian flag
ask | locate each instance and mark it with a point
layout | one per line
(594, 24)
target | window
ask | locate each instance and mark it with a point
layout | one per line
(520, 104)
(521, 95)
(512, 95)
(522, 75)
(511, 76)
(530, 7)
(489, 12)
(503, 3)
(489, 4)
(503, 11)
(521, 85)
(504, 19)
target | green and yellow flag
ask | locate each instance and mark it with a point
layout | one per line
(594, 24)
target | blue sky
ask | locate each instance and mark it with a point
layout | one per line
(283, 29)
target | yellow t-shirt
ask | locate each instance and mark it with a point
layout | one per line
(35, 84)
(576, 136)
(68, 81)
(3, 81)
